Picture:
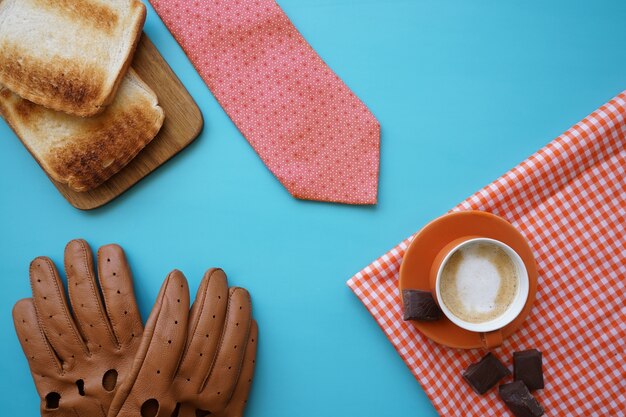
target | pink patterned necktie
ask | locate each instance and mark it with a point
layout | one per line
(312, 132)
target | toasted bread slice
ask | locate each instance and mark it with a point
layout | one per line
(68, 55)
(85, 152)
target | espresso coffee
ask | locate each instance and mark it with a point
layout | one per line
(479, 282)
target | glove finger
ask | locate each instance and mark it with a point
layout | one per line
(44, 366)
(53, 312)
(119, 298)
(237, 403)
(41, 358)
(206, 322)
(85, 297)
(223, 375)
(159, 352)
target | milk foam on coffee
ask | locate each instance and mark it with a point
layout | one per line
(478, 282)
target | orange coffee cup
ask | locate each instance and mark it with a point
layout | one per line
(490, 330)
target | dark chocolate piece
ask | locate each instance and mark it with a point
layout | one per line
(527, 368)
(519, 400)
(485, 374)
(420, 305)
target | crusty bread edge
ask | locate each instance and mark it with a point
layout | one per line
(87, 185)
(130, 53)
(138, 9)
(8, 117)
(82, 185)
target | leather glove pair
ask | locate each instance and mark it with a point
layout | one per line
(94, 359)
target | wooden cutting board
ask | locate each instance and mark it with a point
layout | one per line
(183, 122)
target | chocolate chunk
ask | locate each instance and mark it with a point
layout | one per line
(420, 305)
(527, 368)
(485, 374)
(519, 400)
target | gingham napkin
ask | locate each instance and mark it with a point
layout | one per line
(569, 201)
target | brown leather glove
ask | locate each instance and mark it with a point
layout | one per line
(192, 363)
(79, 357)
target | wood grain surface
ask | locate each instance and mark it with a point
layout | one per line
(183, 122)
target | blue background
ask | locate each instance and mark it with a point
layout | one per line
(464, 90)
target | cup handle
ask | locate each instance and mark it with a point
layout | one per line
(492, 339)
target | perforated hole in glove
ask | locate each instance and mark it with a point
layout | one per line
(193, 363)
(74, 352)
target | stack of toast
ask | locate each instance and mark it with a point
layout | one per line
(67, 88)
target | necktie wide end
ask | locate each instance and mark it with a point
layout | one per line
(353, 197)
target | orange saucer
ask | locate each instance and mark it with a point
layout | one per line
(417, 261)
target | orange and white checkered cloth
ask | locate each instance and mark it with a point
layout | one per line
(569, 200)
